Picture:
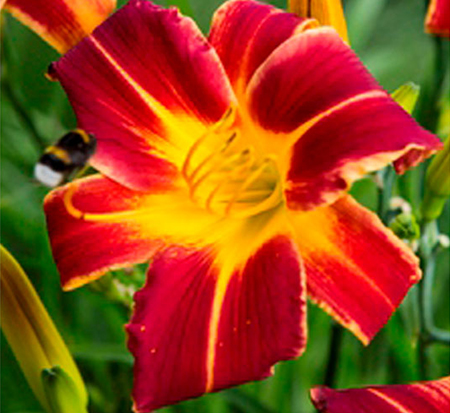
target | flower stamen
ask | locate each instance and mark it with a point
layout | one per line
(269, 202)
(222, 173)
(87, 216)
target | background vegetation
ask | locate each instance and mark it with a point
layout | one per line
(389, 38)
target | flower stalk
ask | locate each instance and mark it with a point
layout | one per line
(429, 247)
(36, 342)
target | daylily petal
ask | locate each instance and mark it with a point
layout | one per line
(327, 12)
(438, 18)
(61, 23)
(308, 74)
(245, 32)
(357, 270)
(145, 83)
(84, 250)
(346, 144)
(111, 226)
(422, 397)
(196, 329)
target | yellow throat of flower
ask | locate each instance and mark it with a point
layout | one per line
(227, 176)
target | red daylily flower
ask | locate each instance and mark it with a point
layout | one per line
(61, 23)
(423, 397)
(227, 162)
(438, 18)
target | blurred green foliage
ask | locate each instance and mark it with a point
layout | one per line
(389, 38)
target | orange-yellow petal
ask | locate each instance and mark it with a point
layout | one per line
(327, 12)
(61, 23)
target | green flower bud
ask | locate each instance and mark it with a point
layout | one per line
(31, 334)
(405, 226)
(61, 391)
(406, 96)
(437, 184)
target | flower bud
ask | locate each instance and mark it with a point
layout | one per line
(406, 96)
(61, 391)
(437, 184)
(31, 334)
(405, 226)
(327, 12)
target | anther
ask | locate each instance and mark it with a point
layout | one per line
(249, 181)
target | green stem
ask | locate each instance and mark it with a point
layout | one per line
(428, 332)
(387, 176)
(333, 355)
(433, 333)
(427, 112)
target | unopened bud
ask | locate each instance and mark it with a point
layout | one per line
(405, 226)
(62, 393)
(31, 334)
(437, 184)
(406, 96)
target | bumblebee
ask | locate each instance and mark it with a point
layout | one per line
(65, 158)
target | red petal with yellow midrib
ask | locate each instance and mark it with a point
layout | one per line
(343, 146)
(145, 84)
(245, 32)
(422, 397)
(168, 333)
(263, 317)
(357, 270)
(308, 74)
(62, 23)
(181, 350)
(85, 250)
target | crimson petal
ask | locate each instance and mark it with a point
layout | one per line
(311, 72)
(61, 23)
(357, 270)
(145, 83)
(85, 250)
(422, 397)
(245, 32)
(361, 137)
(196, 330)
